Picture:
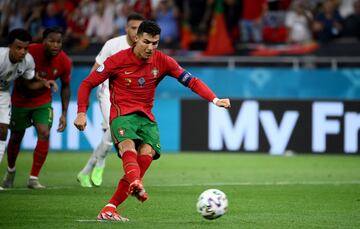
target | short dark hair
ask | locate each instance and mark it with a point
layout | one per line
(49, 30)
(20, 34)
(135, 17)
(149, 27)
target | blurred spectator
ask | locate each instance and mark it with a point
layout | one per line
(64, 6)
(232, 13)
(52, 18)
(101, 23)
(352, 22)
(143, 7)
(346, 7)
(298, 22)
(251, 21)
(75, 36)
(34, 22)
(17, 17)
(328, 23)
(166, 16)
(195, 21)
(87, 7)
(123, 10)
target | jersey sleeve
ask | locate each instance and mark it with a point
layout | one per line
(192, 82)
(104, 53)
(30, 67)
(102, 73)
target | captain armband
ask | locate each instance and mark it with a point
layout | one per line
(185, 78)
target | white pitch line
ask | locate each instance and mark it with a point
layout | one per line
(270, 183)
(89, 220)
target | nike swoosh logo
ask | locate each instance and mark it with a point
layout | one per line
(127, 73)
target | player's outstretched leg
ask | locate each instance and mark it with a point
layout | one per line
(109, 212)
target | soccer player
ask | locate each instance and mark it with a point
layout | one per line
(93, 171)
(133, 76)
(15, 62)
(34, 107)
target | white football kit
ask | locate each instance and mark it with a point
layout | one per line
(9, 72)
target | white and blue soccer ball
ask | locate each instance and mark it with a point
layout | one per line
(212, 203)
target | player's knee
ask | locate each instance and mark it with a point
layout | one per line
(44, 134)
(146, 149)
(126, 145)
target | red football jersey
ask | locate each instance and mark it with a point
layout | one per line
(133, 82)
(50, 69)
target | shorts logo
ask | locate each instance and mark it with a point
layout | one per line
(121, 132)
(100, 68)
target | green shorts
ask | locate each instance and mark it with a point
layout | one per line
(138, 128)
(24, 117)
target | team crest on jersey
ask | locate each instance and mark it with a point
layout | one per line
(141, 81)
(155, 72)
(100, 68)
(121, 132)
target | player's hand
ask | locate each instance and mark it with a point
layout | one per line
(80, 121)
(223, 103)
(38, 77)
(51, 84)
(62, 124)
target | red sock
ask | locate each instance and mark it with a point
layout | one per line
(144, 162)
(121, 192)
(40, 153)
(131, 166)
(12, 153)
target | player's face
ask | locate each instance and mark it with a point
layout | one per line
(53, 43)
(18, 50)
(146, 45)
(131, 29)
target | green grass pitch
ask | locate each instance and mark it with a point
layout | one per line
(311, 191)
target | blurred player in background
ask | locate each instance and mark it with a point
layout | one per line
(15, 62)
(34, 107)
(133, 77)
(93, 171)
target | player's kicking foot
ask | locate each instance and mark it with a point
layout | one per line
(34, 183)
(96, 175)
(137, 189)
(8, 181)
(110, 213)
(84, 180)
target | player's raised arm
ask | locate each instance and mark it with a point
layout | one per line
(195, 84)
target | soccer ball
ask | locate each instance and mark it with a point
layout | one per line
(212, 204)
